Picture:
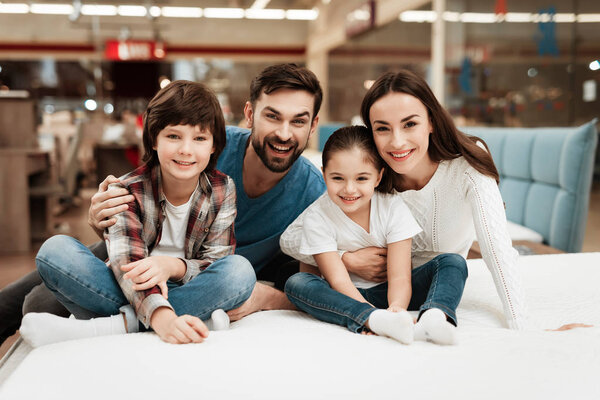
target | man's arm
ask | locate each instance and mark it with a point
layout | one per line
(106, 203)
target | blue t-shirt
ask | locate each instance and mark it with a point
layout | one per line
(261, 221)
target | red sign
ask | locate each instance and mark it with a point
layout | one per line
(134, 50)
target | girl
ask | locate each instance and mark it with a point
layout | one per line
(171, 250)
(356, 212)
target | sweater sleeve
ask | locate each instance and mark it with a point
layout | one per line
(500, 257)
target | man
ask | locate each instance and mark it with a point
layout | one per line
(274, 185)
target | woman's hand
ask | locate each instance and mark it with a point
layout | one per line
(154, 271)
(369, 263)
(568, 327)
(106, 203)
(177, 330)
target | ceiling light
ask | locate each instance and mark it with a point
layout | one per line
(270, 13)
(60, 9)
(100, 10)
(182, 12)
(259, 4)
(132, 11)
(90, 104)
(154, 11)
(518, 17)
(14, 8)
(224, 13)
(588, 18)
(418, 16)
(595, 65)
(482, 18)
(308, 15)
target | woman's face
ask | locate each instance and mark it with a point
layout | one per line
(401, 130)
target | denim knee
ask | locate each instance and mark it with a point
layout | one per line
(54, 249)
(298, 281)
(455, 261)
(238, 271)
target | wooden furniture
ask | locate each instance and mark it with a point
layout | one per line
(17, 122)
(20, 169)
(115, 159)
(524, 246)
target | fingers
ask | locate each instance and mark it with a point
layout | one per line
(106, 223)
(164, 289)
(107, 181)
(129, 267)
(197, 325)
(138, 269)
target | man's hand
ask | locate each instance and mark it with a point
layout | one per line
(177, 330)
(154, 271)
(106, 204)
(369, 263)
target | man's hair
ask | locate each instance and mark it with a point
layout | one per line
(184, 103)
(286, 76)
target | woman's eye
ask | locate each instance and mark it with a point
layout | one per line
(337, 178)
(362, 178)
(381, 129)
(410, 124)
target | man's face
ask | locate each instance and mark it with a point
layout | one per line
(281, 123)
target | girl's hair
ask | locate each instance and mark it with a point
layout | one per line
(446, 142)
(350, 137)
(184, 103)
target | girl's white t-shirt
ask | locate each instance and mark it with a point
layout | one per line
(172, 238)
(326, 228)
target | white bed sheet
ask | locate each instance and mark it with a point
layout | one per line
(289, 355)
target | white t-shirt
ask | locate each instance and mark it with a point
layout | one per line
(172, 238)
(326, 228)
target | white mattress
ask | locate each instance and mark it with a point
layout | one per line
(289, 355)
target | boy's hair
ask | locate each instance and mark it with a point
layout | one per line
(286, 76)
(357, 136)
(184, 103)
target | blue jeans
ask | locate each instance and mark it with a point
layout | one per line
(437, 284)
(87, 287)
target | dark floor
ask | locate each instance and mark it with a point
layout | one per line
(15, 266)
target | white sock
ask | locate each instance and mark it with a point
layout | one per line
(395, 325)
(219, 321)
(434, 326)
(39, 329)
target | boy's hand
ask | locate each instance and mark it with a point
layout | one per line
(106, 203)
(153, 271)
(395, 308)
(177, 330)
(369, 263)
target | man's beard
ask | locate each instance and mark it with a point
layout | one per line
(276, 164)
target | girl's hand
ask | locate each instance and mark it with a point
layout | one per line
(568, 327)
(153, 271)
(177, 330)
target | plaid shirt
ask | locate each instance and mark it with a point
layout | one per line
(209, 235)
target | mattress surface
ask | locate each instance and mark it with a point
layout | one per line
(290, 355)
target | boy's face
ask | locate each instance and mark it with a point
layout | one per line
(281, 123)
(183, 152)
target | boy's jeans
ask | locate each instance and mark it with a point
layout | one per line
(437, 284)
(87, 287)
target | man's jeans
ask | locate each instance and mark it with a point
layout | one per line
(436, 284)
(87, 287)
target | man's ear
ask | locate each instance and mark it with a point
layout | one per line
(313, 126)
(249, 114)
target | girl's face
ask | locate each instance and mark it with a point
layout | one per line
(401, 129)
(351, 180)
(183, 152)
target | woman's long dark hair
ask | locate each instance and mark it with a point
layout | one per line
(446, 142)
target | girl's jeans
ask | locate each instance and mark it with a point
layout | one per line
(437, 284)
(86, 286)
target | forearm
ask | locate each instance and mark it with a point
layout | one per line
(348, 288)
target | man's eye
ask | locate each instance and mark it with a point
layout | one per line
(299, 122)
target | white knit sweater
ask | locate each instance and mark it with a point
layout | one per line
(457, 203)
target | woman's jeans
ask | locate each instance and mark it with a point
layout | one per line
(436, 284)
(86, 286)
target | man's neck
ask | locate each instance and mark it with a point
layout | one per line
(256, 177)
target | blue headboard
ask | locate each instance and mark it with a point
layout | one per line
(545, 178)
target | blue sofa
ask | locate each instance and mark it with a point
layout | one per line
(545, 178)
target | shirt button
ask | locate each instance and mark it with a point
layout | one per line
(206, 230)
